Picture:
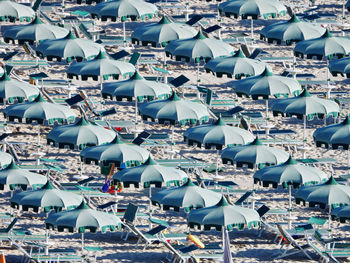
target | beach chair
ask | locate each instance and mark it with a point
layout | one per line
(329, 249)
(243, 199)
(291, 245)
(154, 235)
(192, 253)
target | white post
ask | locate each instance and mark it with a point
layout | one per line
(329, 216)
(304, 138)
(124, 33)
(38, 137)
(217, 162)
(348, 160)
(101, 82)
(47, 242)
(290, 206)
(136, 110)
(267, 110)
(82, 241)
(251, 27)
(223, 237)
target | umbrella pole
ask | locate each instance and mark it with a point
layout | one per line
(329, 216)
(82, 241)
(217, 162)
(290, 206)
(348, 160)
(38, 137)
(124, 33)
(304, 137)
(223, 237)
(47, 242)
(251, 27)
(267, 110)
(136, 110)
(328, 79)
(101, 82)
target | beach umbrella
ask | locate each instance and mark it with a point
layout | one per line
(217, 135)
(68, 48)
(123, 9)
(136, 87)
(162, 32)
(252, 8)
(116, 152)
(12, 11)
(187, 196)
(150, 173)
(5, 159)
(236, 66)
(83, 133)
(340, 66)
(48, 198)
(36, 31)
(14, 177)
(289, 174)
(100, 67)
(291, 31)
(266, 85)
(254, 155)
(12, 89)
(343, 213)
(174, 110)
(40, 111)
(305, 106)
(198, 48)
(327, 46)
(347, 5)
(335, 136)
(329, 194)
(223, 216)
(81, 219)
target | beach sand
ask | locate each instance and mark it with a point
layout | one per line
(245, 245)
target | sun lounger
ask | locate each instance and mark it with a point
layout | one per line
(291, 245)
(155, 235)
(57, 258)
(183, 254)
(27, 63)
(329, 249)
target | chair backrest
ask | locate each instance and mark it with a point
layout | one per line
(130, 213)
(156, 230)
(194, 20)
(263, 210)
(244, 124)
(243, 198)
(256, 53)
(134, 58)
(10, 226)
(285, 235)
(245, 50)
(179, 81)
(209, 97)
(317, 221)
(36, 4)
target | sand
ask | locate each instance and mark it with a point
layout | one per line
(245, 245)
